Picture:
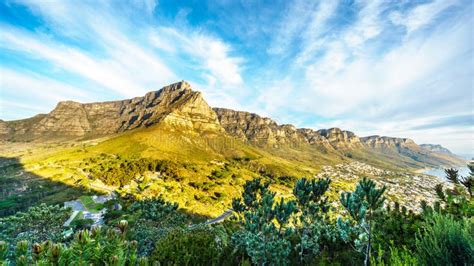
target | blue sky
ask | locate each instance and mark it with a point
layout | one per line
(397, 68)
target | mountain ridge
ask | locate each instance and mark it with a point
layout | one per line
(178, 106)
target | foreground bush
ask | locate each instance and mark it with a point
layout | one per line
(96, 247)
(35, 225)
(445, 241)
(199, 246)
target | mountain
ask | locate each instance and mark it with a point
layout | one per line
(170, 142)
(262, 131)
(175, 104)
(436, 148)
(179, 107)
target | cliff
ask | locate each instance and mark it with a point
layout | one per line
(176, 105)
(181, 108)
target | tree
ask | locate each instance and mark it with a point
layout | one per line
(95, 247)
(312, 223)
(37, 224)
(361, 206)
(201, 245)
(468, 181)
(452, 175)
(265, 232)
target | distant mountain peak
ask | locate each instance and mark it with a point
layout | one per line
(436, 148)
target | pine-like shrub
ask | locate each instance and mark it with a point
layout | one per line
(198, 246)
(446, 241)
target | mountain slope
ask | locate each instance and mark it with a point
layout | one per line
(388, 152)
(181, 109)
(171, 143)
(177, 104)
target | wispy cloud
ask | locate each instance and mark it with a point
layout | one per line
(41, 93)
(421, 15)
(376, 67)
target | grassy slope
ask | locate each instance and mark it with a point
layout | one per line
(200, 155)
(213, 166)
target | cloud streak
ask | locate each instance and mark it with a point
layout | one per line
(375, 67)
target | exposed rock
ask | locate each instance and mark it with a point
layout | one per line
(341, 139)
(179, 107)
(176, 105)
(264, 131)
(378, 141)
(436, 148)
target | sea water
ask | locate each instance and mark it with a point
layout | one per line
(463, 171)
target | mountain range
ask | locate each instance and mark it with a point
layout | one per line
(177, 106)
(171, 143)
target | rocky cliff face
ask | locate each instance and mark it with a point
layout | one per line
(341, 139)
(264, 131)
(181, 108)
(176, 105)
(376, 142)
(435, 148)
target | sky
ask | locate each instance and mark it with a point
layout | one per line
(399, 68)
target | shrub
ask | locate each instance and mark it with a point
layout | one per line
(199, 246)
(445, 241)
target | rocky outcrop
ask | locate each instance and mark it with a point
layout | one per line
(181, 108)
(176, 105)
(254, 128)
(376, 142)
(436, 148)
(259, 130)
(341, 139)
(409, 149)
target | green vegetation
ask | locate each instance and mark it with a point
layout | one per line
(37, 224)
(446, 241)
(266, 230)
(361, 206)
(118, 171)
(90, 205)
(20, 189)
(196, 246)
(94, 247)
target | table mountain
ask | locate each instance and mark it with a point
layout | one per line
(175, 104)
(179, 107)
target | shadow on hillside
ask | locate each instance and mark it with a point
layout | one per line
(20, 189)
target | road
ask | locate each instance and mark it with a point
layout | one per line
(73, 215)
(218, 219)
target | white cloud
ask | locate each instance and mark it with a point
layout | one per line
(347, 79)
(115, 73)
(368, 24)
(19, 87)
(344, 88)
(211, 54)
(304, 21)
(147, 5)
(37, 86)
(421, 15)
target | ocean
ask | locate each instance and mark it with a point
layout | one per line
(463, 171)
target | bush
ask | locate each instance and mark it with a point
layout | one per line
(446, 241)
(80, 224)
(199, 246)
(37, 224)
